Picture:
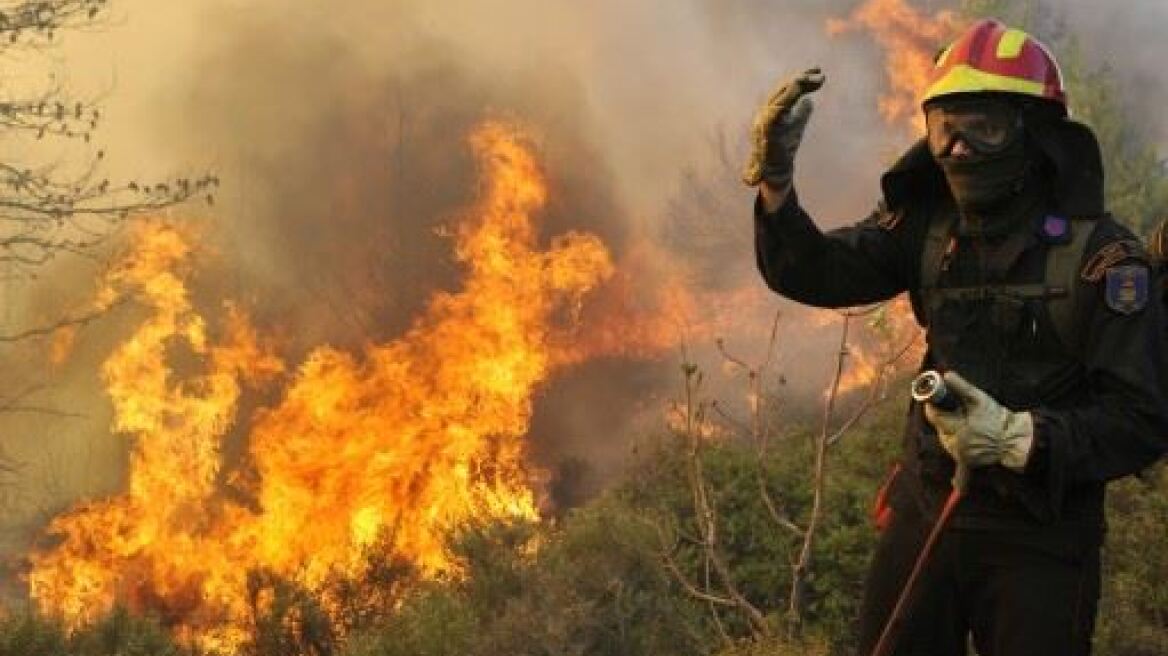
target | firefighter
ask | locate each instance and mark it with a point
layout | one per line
(1035, 303)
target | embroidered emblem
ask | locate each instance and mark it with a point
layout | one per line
(1127, 288)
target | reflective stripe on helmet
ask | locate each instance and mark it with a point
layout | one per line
(966, 79)
(1011, 44)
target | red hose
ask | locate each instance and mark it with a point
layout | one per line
(892, 627)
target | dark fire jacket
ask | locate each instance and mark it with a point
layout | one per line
(1100, 405)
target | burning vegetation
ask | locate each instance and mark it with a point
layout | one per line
(387, 447)
(384, 449)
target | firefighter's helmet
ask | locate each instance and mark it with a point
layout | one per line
(990, 57)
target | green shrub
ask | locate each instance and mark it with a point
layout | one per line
(1133, 618)
(434, 621)
(118, 634)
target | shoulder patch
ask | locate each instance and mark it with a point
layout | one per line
(1107, 257)
(1127, 288)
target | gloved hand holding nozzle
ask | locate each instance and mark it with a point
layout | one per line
(975, 429)
(776, 135)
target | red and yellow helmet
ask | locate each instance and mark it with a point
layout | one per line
(992, 58)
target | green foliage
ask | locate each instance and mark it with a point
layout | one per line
(588, 586)
(594, 583)
(435, 621)
(28, 634)
(368, 598)
(123, 634)
(119, 634)
(1133, 619)
(759, 550)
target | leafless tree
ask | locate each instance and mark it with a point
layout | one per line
(65, 207)
(61, 204)
(699, 418)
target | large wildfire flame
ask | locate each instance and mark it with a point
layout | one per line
(389, 447)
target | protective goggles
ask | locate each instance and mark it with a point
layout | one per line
(986, 126)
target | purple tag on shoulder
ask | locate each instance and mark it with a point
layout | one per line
(1054, 227)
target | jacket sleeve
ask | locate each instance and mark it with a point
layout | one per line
(871, 261)
(1122, 427)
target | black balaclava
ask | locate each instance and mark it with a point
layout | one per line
(984, 183)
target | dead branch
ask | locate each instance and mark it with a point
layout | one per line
(802, 564)
(705, 513)
(671, 565)
(706, 520)
(755, 376)
(885, 367)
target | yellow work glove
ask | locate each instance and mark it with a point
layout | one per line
(981, 432)
(778, 130)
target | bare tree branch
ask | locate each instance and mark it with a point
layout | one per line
(705, 514)
(886, 367)
(78, 321)
(802, 565)
(758, 434)
(50, 210)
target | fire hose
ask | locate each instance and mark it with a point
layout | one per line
(928, 387)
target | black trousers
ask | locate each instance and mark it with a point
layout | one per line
(1016, 592)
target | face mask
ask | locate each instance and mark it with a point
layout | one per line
(982, 182)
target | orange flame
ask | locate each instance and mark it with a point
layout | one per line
(910, 39)
(399, 442)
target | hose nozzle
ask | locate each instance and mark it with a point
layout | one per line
(929, 387)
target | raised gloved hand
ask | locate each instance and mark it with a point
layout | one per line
(777, 132)
(982, 432)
